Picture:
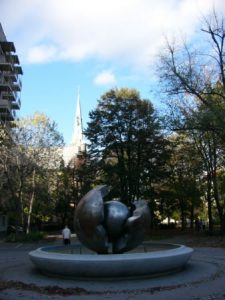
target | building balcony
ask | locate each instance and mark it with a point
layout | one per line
(17, 86)
(7, 116)
(12, 77)
(8, 85)
(6, 67)
(12, 58)
(5, 105)
(11, 98)
(6, 112)
(16, 104)
(5, 86)
(18, 70)
(11, 66)
(7, 46)
(9, 95)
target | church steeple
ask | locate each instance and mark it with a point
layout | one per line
(77, 138)
(77, 143)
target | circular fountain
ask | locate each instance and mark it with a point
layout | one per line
(158, 259)
(114, 236)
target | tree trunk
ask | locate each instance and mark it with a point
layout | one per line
(222, 228)
(31, 202)
(21, 206)
(183, 217)
(192, 216)
(219, 207)
(209, 202)
(215, 187)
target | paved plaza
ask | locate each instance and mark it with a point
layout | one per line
(202, 279)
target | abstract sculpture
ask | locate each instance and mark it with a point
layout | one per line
(100, 226)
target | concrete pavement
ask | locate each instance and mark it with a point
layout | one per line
(203, 278)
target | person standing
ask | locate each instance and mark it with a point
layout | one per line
(66, 233)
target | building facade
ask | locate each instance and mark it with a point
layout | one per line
(10, 88)
(10, 81)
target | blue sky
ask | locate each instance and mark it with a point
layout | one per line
(94, 45)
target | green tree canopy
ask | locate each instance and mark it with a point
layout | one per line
(28, 163)
(125, 137)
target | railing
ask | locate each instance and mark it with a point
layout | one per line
(9, 95)
(7, 46)
(12, 58)
(16, 104)
(5, 86)
(9, 76)
(5, 66)
(17, 86)
(6, 83)
(6, 113)
(13, 114)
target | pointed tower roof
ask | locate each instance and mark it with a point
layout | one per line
(77, 143)
(77, 137)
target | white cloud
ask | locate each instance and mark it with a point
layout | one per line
(105, 77)
(129, 31)
(41, 54)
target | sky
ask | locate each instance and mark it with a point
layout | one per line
(93, 46)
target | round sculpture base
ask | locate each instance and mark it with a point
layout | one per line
(158, 259)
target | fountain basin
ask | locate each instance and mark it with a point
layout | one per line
(163, 258)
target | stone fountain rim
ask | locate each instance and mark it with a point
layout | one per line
(107, 266)
(177, 249)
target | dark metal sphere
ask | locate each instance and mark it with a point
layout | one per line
(115, 216)
(88, 220)
(100, 224)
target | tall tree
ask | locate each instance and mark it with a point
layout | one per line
(34, 152)
(191, 74)
(185, 173)
(211, 149)
(125, 137)
(194, 82)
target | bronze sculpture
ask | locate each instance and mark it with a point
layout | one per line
(101, 225)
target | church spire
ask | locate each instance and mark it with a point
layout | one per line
(77, 138)
(77, 144)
